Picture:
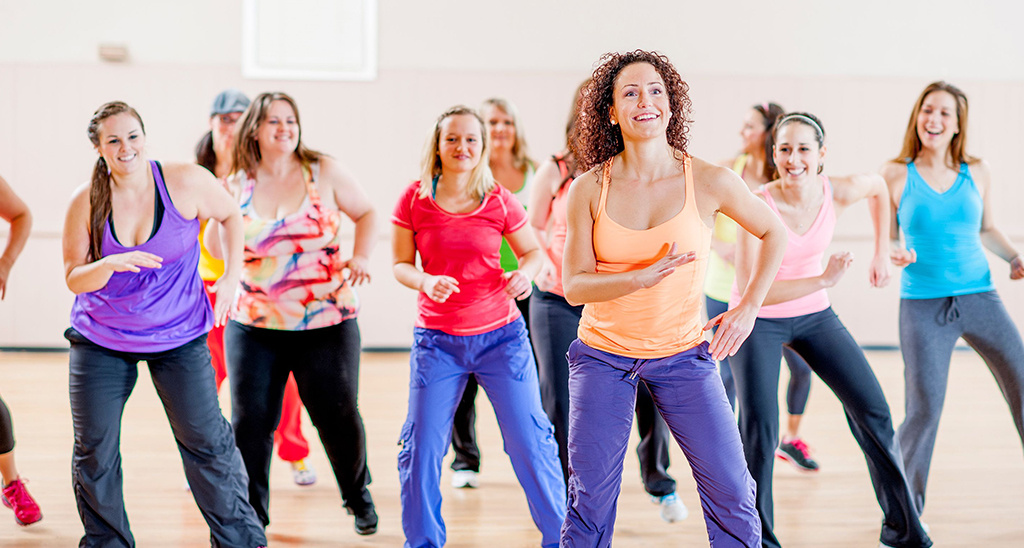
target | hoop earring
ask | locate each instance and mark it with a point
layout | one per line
(821, 167)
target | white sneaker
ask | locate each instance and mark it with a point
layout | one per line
(672, 509)
(465, 479)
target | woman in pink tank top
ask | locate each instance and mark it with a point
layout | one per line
(797, 314)
(639, 232)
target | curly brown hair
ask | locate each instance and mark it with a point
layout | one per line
(594, 138)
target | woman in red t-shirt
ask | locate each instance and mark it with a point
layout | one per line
(468, 323)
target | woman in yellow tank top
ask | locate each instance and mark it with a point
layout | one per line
(639, 233)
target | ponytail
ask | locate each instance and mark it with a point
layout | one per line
(99, 207)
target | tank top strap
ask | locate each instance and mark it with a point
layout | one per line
(912, 176)
(688, 173)
(247, 185)
(606, 179)
(311, 179)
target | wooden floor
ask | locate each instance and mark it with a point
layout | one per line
(976, 497)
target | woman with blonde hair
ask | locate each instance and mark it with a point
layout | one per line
(453, 219)
(513, 169)
(295, 310)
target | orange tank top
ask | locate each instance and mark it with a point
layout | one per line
(658, 321)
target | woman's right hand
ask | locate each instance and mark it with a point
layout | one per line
(902, 257)
(133, 261)
(439, 288)
(545, 279)
(652, 275)
(837, 265)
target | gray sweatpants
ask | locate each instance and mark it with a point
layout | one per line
(929, 329)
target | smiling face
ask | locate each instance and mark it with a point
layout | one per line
(796, 152)
(640, 102)
(279, 129)
(752, 132)
(122, 143)
(937, 120)
(501, 128)
(460, 143)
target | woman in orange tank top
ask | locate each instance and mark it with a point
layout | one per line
(639, 233)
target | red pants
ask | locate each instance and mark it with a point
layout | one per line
(291, 445)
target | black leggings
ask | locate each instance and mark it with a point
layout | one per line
(6, 429)
(325, 363)
(822, 340)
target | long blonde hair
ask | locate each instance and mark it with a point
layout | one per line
(481, 181)
(957, 147)
(520, 152)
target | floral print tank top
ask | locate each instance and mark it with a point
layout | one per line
(292, 277)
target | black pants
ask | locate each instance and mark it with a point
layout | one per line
(822, 340)
(6, 429)
(325, 363)
(100, 382)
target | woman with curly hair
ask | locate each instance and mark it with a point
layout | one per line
(639, 232)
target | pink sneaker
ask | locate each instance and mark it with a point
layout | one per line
(16, 497)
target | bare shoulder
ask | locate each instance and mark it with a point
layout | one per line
(184, 175)
(981, 170)
(893, 172)
(333, 171)
(80, 197)
(586, 189)
(714, 180)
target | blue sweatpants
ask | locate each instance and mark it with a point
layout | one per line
(689, 394)
(503, 364)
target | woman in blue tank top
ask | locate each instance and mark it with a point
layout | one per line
(941, 200)
(131, 252)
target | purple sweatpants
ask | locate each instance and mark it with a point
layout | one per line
(688, 392)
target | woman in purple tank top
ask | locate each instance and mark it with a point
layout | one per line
(131, 252)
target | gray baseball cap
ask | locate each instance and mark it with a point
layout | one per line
(227, 101)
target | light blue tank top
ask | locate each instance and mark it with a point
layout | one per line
(945, 231)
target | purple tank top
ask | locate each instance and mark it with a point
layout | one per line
(155, 309)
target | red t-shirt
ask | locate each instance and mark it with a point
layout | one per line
(464, 246)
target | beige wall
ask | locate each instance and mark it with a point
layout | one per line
(859, 72)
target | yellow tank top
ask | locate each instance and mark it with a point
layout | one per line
(658, 321)
(210, 269)
(718, 284)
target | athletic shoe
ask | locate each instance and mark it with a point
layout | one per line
(16, 497)
(302, 474)
(672, 509)
(366, 519)
(465, 479)
(796, 452)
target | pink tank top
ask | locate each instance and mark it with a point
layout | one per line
(557, 226)
(803, 259)
(658, 321)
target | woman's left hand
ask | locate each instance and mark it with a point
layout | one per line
(517, 285)
(1016, 268)
(225, 289)
(357, 270)
(734, 326)
(878, 274)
